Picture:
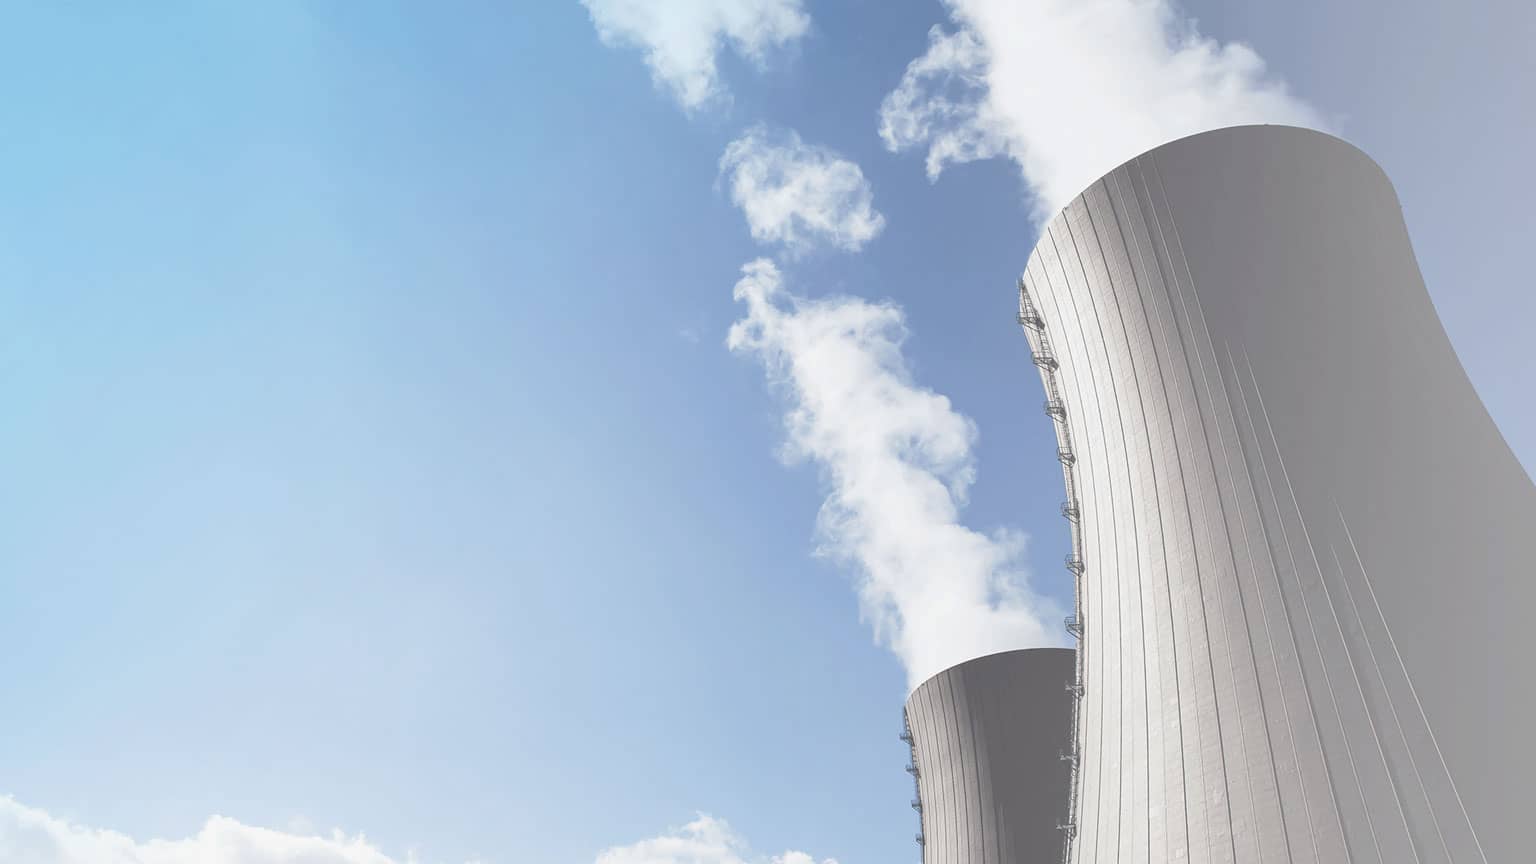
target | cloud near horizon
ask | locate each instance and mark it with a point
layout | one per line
(705, 840)
(1069, 89)
(682, 38)
(897, 461)
(798, 196)
(32, 836)
(29, 835)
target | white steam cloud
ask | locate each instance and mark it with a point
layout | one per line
(798, 196)
(705, 840)
(32, 836)
(898, 462)
(681, 38)
(1069, 89)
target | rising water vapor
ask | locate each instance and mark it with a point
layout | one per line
(897, 461)
(1068, 89)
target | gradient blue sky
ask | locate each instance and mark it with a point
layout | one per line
(370, 455)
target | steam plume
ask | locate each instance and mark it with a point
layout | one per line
(1068, 89)
(898, 464)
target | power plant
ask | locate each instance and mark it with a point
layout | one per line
(1303, 555)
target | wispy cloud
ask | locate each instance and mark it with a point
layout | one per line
(32, 836)
(1071, 88)
(897, 460)
(705, 840)
(942, 103)
(798, 196)
(681, 38)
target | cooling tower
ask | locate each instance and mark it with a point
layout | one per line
(1305, 556)
(987, 739)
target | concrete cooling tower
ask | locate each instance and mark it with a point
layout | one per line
(1305, 557)
(988, 738)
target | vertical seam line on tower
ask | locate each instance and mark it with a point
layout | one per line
(1195, 337)
(1134, 205)
(1349, 535)
(1150, 210)
(1307, 535)
(1285, 536)
(1366, 702)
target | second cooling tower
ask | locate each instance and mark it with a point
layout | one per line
(987, 739)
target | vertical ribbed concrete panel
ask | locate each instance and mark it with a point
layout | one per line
(987, 738)
(1308, 556)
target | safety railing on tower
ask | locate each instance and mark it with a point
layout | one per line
(1043, 355)
(917, 786)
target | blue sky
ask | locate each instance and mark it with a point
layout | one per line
(373, 458)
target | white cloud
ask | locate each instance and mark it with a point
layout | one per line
(681, 38)
(898, 463)
(32, 836)
(942, 102)
(705, 840)
(1071, 88)
(796, 195)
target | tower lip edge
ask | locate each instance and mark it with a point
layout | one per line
(1329, 139)
(1042, 651)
